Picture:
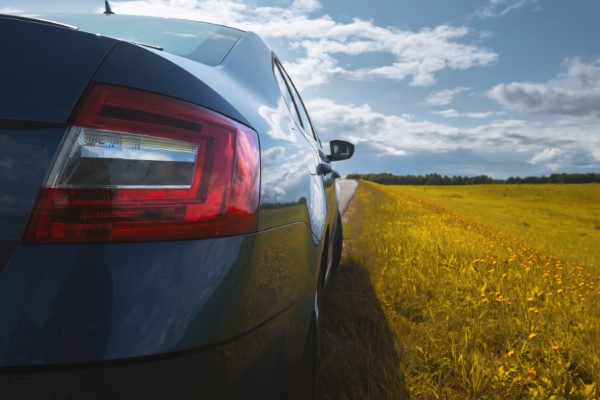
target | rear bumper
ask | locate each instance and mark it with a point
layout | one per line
(218, 315)
(261, 364)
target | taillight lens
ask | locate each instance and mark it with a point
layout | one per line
(137, 166)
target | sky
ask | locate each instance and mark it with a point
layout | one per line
(465, 87)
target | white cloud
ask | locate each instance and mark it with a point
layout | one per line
(562, 144)
(418, 56)
(9, 10)
(444, 97)
(452, 113)
(547, 156)
(306, 6)
(215, 11)
(393, 134)
(576, 91)
(500, 8)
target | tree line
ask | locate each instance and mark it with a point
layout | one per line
(437, 179)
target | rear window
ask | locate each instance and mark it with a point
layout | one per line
(198, 41)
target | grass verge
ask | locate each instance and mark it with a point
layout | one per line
(438, 302)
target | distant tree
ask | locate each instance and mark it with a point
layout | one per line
(385, 178)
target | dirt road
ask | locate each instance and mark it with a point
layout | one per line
(347, 188)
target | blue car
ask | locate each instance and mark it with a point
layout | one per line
(168, 214)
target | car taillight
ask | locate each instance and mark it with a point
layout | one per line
(138, 166)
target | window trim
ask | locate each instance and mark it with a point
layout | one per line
(295, 96)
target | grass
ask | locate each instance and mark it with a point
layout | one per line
(487, 292)
(560, 219)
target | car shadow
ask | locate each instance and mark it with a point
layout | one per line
(358, 355)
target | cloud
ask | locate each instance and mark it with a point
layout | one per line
(444, 97)
(452, 113)
(9, 10)
(562, 144)
(556, 159)
(417, 56)
(500, 8)
(547, 156)
(393, 134)
(215, 11)
(576, 92)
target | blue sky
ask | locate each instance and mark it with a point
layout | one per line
(463, 87)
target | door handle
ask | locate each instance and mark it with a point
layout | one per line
(324, 168)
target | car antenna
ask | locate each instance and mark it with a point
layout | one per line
(107, 10)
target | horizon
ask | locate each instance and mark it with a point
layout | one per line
(587, 177)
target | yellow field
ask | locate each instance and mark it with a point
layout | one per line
(563, 220)
(473, 292)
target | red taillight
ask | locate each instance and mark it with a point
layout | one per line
(137, 166)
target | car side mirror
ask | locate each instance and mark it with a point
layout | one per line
(340, 150)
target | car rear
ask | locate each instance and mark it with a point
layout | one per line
(131, 262)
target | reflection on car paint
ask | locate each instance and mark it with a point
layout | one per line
(279, 122)
(318, 206)
(24, 158)
(286, 161)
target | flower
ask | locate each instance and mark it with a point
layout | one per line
(532, 335)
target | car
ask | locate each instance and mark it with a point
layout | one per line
(168, 213)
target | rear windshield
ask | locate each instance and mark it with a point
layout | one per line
(198, 41)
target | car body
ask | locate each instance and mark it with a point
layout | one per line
(168, 215)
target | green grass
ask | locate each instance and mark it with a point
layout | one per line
(466, 293)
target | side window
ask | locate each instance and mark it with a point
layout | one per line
(287, 96)
(297, 101)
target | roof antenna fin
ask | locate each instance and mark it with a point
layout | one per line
(107, 10)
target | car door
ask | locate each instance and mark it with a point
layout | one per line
(323, 197)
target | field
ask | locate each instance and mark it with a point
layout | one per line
(472, 292)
